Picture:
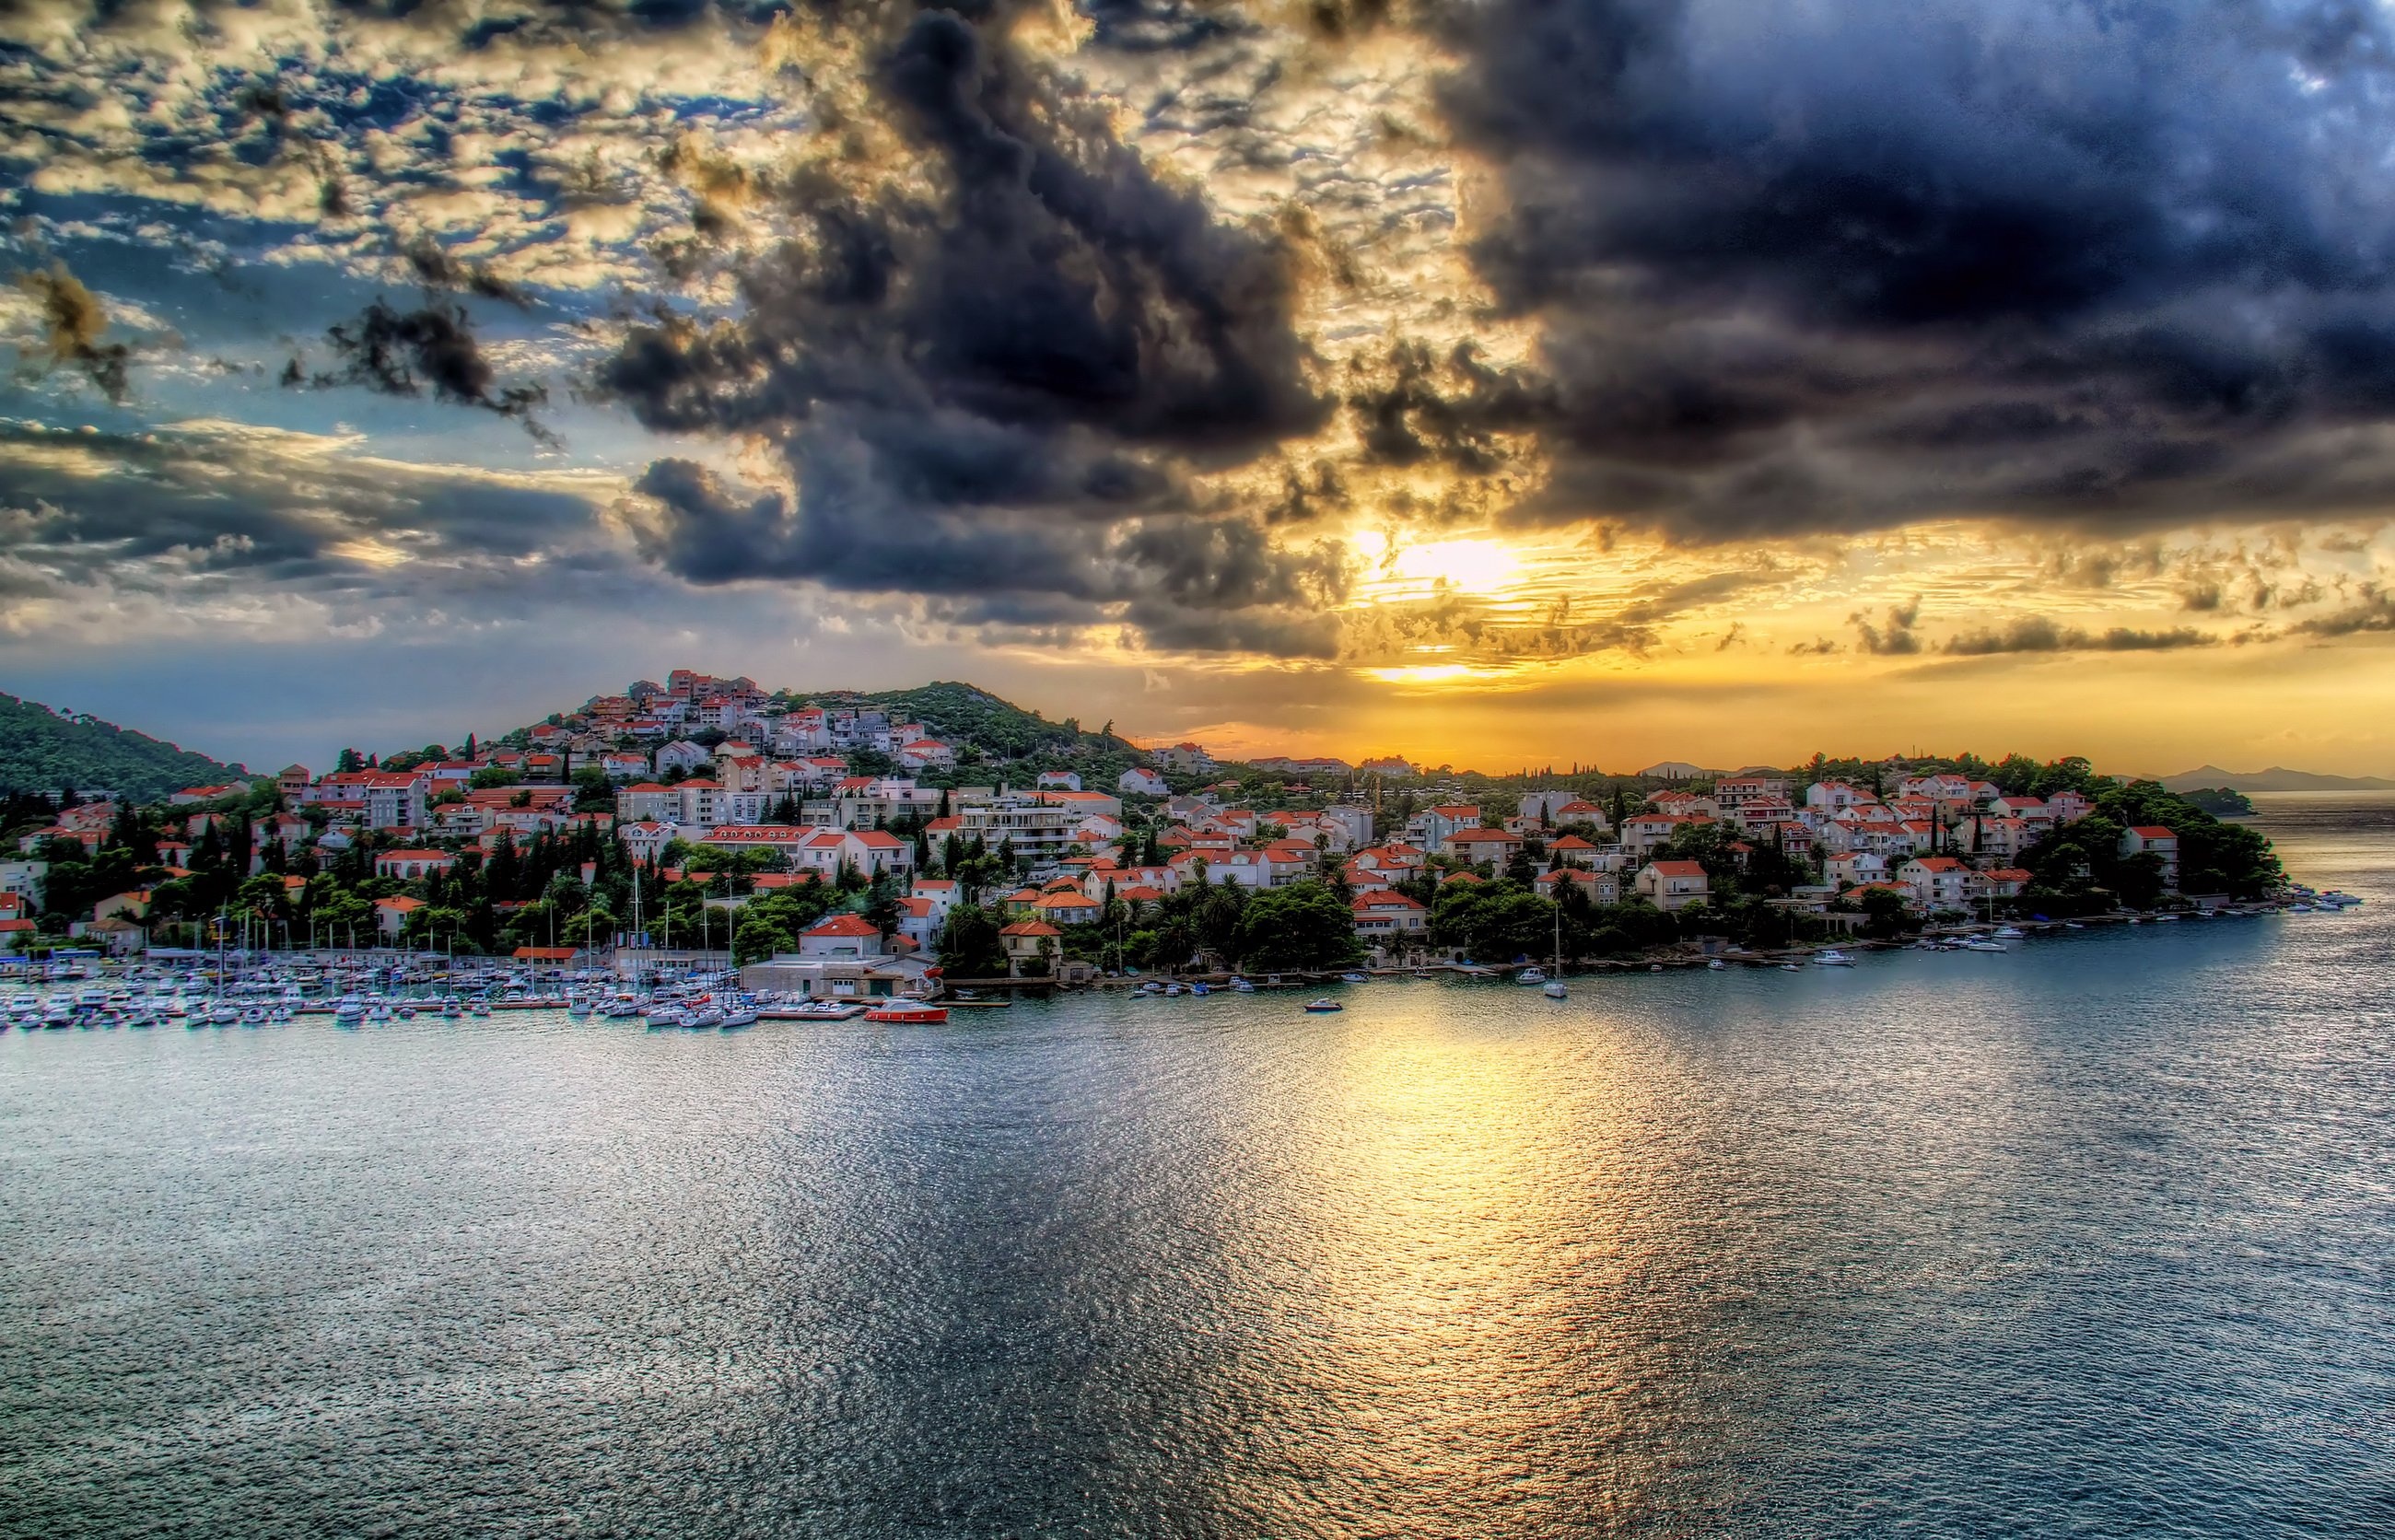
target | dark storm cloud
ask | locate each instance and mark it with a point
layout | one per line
(436, 269)
(1183, 581)
(2039, 634)
(1896, 638)
(399, 352)
(74, 322)
(260, 506)
(998, 386)
(1411, 407)
(1851, 264)
(2374, 610)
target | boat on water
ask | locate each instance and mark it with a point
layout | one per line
(1241, 986)
(1554, 990)
(1981, 944)
(1200, 988)
(1354, 977)
(1832, 958)
(1322, 1007)
(908, 1013)
(1716, 966)
(1532, 975)
(2008, 933)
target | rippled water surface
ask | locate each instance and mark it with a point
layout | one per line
(2093, 1238)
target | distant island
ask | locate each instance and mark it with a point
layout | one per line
(2278, 778)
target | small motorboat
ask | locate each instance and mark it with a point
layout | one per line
(908, 1014)
(2008, 933)
(1241, 986)
(1554, 990)
(1531, 976)
(1172, 991)
(1832, 958)
(1981, 944)
(1716, 966)
(1354, 977)
(1200, 988)
(1322, 1007)
(1790, 968)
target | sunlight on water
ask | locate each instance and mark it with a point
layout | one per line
(2091, 1237)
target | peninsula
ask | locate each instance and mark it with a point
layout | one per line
(710, 819)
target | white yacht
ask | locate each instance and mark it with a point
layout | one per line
(1832, 958)
(1532, 975)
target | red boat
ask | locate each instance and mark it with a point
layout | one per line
(907, 1013)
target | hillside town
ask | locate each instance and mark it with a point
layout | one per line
(706, 817)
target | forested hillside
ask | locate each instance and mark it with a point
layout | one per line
(42, 751)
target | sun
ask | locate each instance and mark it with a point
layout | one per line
(1478, 567)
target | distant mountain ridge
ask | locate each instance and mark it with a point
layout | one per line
(42, 750)
(2278, 778)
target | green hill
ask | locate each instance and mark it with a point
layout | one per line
(41, 750)
(1004, 732)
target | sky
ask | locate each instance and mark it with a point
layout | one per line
(1499, 383)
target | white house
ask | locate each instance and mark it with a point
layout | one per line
(1938, 882)
(1430, 827)
(1832, 796)
(1187, 757)
(841, 936)
(1142, 782)
(2155, 840)
(940, 891)
(1852, 868)
(1672, 884)
(1388, 917)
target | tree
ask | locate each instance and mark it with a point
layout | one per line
(970, 947)
(1302, 926)
(758, 937)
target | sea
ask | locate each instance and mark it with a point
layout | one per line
(2092, 1238)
